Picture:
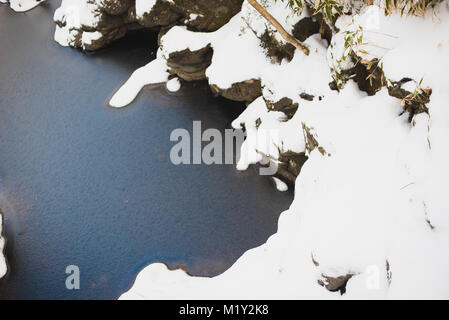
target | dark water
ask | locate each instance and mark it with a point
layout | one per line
(84, 184)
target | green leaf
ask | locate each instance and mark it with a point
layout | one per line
(329, 13)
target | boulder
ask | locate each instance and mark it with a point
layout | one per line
(246, 91)
(289, 166)
(190, 65)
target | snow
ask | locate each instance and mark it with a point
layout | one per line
(3, 267)
(174, 85)
(88, 37)
(153, 72)
(193, 17)
(280, 185)
(144, 7)
(71, 16)
(262, 140)
(22, 5)
(385, 37)
(234, 34)
(374, 204)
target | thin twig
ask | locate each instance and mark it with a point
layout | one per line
(411, 183)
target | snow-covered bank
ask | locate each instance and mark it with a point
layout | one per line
(371, 216)
(22, 5)
(3, 267)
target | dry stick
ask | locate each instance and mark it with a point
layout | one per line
(287, 36)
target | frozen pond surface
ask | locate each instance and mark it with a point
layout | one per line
(88, 185)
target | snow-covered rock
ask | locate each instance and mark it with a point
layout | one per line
(200, 55)
(174, 85)
(92, 24)
(22, 5)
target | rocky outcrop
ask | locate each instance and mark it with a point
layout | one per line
(325, 27)
(190, 65)
(162, 14)
(207, 15)
(290, 164)
(333, 283)
(90, 24)
(246, 91)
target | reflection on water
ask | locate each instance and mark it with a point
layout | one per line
(84, 184)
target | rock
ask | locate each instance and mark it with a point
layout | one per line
(412, 102)
(369, 77)
(305, 28)
(162, 14)
(326, 28)
(246, 91)
(284, 105)
(308, 97)
(116, 7)
(395, 88)
(190, 65)
(290, 164)
(275, 50)
(335, 283)
(207, 15)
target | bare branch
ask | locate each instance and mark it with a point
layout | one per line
(287, 36)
